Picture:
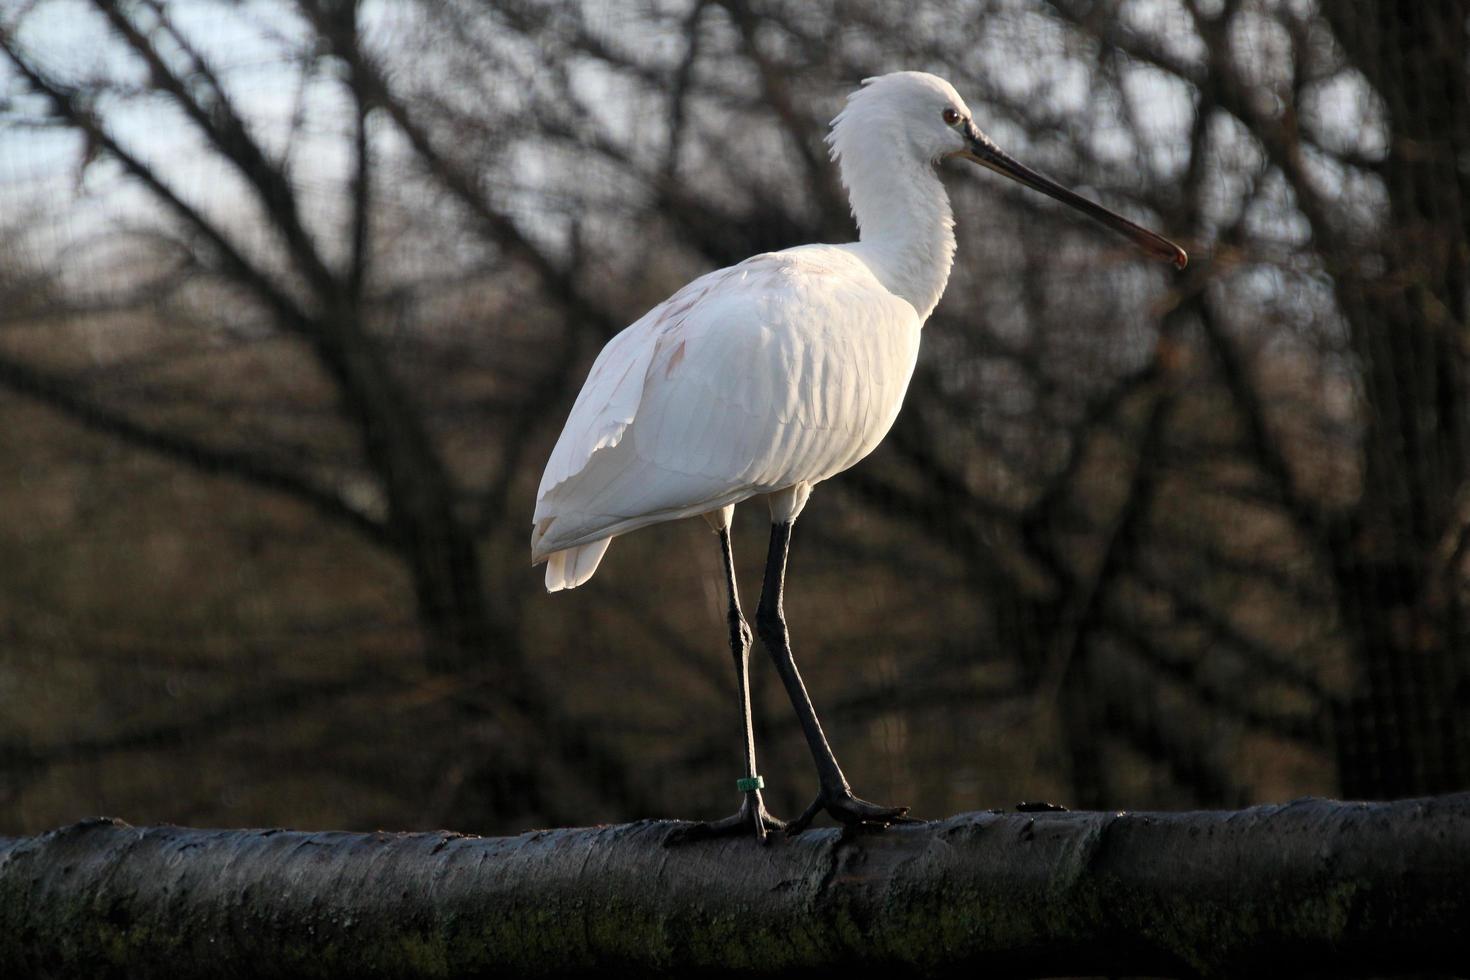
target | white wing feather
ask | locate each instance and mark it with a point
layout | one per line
(782, 370)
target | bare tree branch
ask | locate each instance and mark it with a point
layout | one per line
(62, 395)
(218, 122)
(73, 110)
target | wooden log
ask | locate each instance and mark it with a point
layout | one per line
(1310, 887)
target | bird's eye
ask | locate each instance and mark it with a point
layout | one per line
(951, 115)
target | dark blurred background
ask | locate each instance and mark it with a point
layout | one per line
(295, 296)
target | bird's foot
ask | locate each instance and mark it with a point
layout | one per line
(751, 819)
(851, 812)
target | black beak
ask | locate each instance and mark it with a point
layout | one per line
(987, 154)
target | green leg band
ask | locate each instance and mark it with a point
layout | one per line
(749, 784)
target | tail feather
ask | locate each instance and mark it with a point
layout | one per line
(570, 567)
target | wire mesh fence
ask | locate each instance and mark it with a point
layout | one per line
(294, 297)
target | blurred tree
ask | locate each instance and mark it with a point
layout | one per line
(398, 493)
(1135, 540)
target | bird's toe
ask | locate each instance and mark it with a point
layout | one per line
(751, 820)
(850, 811)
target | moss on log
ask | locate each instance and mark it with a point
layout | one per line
(1314, 886)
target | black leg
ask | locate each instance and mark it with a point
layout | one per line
(752, 816)
(834, 796)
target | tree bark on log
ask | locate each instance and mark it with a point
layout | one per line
(1313, 887)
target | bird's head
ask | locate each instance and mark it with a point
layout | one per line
(924, 115)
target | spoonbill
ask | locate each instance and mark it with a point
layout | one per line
(768, 377)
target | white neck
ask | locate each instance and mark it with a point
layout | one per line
(905, 226)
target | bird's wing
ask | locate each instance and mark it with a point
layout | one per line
(609, 398)
(784, 369)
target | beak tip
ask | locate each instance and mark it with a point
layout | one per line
(1181, 259)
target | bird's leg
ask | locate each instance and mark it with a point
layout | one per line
(834, 796)
(752, 816)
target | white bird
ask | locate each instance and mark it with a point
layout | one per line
(766, 378)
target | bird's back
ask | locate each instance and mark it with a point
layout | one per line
(786, 368)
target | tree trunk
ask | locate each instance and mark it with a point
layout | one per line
(1314, 887)
(437, 547)
(1405, 733)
